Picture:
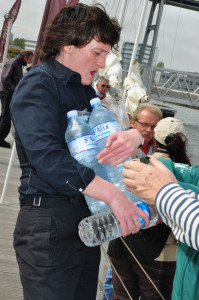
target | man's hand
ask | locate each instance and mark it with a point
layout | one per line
(145, 180)
(119, 146)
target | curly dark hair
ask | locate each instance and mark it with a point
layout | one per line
(77, 25)
(26, 53)
(176, 148)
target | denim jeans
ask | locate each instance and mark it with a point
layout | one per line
(108, 285)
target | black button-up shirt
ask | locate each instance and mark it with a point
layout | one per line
(38, 108)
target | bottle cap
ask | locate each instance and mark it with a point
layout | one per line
(95, 101)
(71, 113)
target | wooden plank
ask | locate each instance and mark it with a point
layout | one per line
(10, 284)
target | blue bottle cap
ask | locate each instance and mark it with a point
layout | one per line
(71, 113)
(95, 101)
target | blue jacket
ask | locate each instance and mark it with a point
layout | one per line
(38, 109)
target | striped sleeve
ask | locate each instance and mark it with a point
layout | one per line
(179, 209)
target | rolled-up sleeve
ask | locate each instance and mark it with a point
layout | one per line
(35, 113)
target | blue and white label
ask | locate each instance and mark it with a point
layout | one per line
(145, 208)
(103, 130)
(81, 144)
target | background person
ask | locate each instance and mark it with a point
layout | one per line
(179, 209)
(11, 74)
(155, 247)
(54, 264)
(144, 119)
(102, 87)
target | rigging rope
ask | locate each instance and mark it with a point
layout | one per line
(162, 297)
(117, 8)
(163, 38)
(175, 34)
(132, 17)
(116, 273)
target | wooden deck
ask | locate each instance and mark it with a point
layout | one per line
(10, 285)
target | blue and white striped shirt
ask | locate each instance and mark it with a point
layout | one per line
(179, 209)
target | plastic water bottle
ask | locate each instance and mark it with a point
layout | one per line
(82, 146)
(103, 227)
(103, 123)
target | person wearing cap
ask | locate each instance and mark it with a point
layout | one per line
(177, 208)
(155, 247)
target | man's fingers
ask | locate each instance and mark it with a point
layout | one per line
(113, 158)
(135, 165)
(111, 138)
(120, 159)
(129, 183)
(127, 173)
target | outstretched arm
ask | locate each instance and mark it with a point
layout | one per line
(178, 208)
(145, 180)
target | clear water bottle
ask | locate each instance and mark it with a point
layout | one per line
(82, 146)
(103, 123)
(103, 227)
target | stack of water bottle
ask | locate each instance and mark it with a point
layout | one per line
(85, 139)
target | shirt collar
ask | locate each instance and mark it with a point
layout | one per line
(145, 149)
(60, 71)
(99, 94)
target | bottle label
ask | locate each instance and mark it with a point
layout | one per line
(81, 144)
(103, 130)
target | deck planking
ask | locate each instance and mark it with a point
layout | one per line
(10, 285)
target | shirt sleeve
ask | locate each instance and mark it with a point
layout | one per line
(36, 114)
(179, 209)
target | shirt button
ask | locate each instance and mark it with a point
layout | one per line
(80, 190)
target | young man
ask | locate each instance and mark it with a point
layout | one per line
(10, 76)
(54, 264)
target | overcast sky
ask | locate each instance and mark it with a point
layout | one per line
(178, 39)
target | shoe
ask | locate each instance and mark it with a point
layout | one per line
(4, 144)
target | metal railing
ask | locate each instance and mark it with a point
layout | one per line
(172, 86)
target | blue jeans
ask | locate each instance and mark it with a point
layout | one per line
(108, 285)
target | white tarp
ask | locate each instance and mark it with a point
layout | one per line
(135, 90)
(122, 99)
(113, 69)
